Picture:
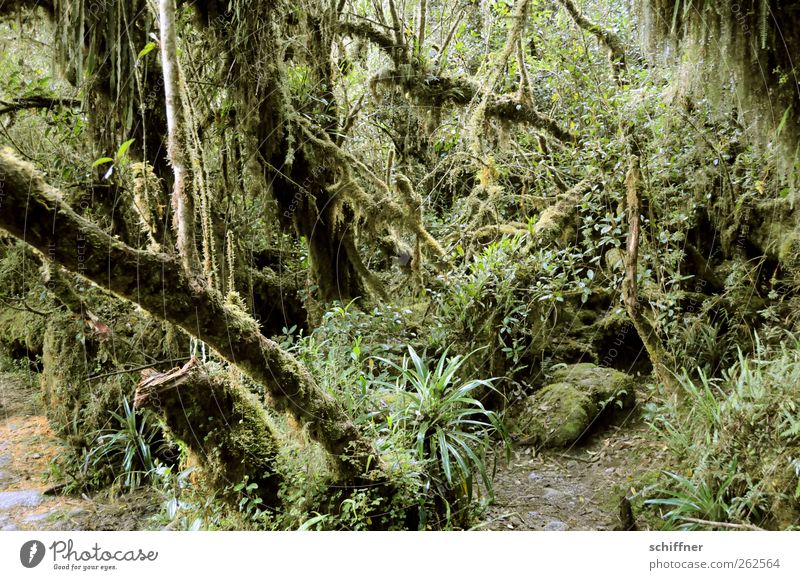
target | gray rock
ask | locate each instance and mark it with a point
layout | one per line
(533, 476)
(551, 494)
(15, 499)
(556, 526)
(9, 528)
(38, 517)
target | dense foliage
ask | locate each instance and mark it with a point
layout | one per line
(416, 210)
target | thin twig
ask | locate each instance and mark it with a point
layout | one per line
(139, 368)
(750, 527)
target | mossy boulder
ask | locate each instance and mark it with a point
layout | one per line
(566, 409)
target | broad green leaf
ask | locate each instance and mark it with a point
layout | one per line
(123, 149)
(147, 49)
(101, 161)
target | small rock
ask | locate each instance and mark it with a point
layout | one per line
(555, 526)
(35, 455)
(14, 499)
(9, 528)
(551, 494)
(533, 476)
(37, 517)
(609, 471)
(533, 514)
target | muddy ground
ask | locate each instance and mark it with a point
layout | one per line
(29, 482)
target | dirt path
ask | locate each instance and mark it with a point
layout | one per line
(27, 445)
(27, 448)
(575, 489)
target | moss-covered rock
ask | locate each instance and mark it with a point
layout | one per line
(566, 409)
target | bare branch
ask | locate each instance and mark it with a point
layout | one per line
(38, 102)
(728, 525)
(652, 342)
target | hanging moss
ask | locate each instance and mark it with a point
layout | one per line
(76, 406)
(743, 56)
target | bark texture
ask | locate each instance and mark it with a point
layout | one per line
(226, 427)
(182, 198)
(35, 212)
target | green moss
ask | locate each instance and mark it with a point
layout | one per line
(565, 410)
(231, 435)
(599, 383)
(21, 333)
(556, 417)
(77, 407)
(789, 252)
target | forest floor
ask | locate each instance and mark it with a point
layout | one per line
(27, 449)
(573, 489)
(579, 488)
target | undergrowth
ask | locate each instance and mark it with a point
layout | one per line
(737, 440)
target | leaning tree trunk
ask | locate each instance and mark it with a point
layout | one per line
(331, 265)
(226, 427)
(35, 212)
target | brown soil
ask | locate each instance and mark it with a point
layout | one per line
(28, 447)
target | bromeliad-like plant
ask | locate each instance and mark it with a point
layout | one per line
(695, 502)
(448, 427)
(129, 447)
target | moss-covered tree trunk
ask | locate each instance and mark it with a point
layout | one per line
(34, 212)
(227, 428)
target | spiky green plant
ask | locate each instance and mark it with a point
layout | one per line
(128, 448)
(448, 427)
(699, 501)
